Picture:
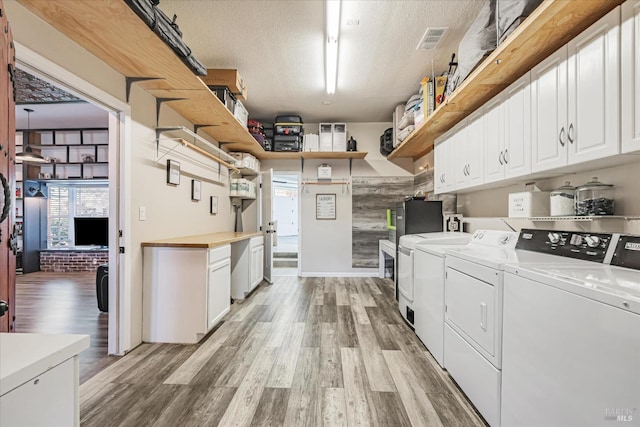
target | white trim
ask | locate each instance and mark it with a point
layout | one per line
(119, 167)
(373, 273)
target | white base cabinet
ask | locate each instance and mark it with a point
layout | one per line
(247, 266)
(186, 292)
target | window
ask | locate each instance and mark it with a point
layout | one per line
(67, 201)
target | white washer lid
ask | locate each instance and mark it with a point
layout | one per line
(410, 241)
(617, 286)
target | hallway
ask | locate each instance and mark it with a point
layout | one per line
(315, 351)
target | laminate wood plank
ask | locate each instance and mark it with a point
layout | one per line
(272, 408)
(188, 370)
(218, 363)
(315, 313)
(428, 378)
(209, 407)
(329, 308)
(385, 338)
(342, 296)
(312, 334)
(180, 409)
(390, 410)
(303, 406)
(245, 402)
(114, 405)
(364, 294)
(347, 336)
(268, 312)
(330, 285)
(157, 366)
(246, 354)
(284, 369)
(245, 327)
(454, 391)
(451, 413)
(374, 363)
(334, 409)
(359, 411)
(389, 311)
(359, 313)
(373, 286)
(318, 292)
(419, 408)
(330, 357)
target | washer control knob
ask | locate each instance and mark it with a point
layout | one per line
(592, 241)
(554, 237)
(576, 240)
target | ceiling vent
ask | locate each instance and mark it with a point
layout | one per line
(431, 38)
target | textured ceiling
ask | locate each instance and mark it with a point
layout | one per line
(32, 90)
(278, 47)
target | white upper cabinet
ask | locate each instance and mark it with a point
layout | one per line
(471, 149)
(444, 163)
(549, 112)
(630, 71)
(593, 130)
(507, 132)
(575, 99)
(517, 128)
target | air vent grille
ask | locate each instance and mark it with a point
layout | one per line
(431, 38)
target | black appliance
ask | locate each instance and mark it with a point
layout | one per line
(415, 215)
(287, 143)
(102, 287)
(91, 231)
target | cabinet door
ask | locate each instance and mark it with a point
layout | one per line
(253, 266)
(549, 112)
(474, 150)
(219, 291)
(493, 140)
(458, 158)
(517, 128)
(630, 72)
(259, 270)
(593, 128)
(440, 158)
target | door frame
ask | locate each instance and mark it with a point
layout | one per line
(119, 336)
(299, 175)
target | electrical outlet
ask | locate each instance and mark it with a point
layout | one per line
(95, 261)
(142, 213)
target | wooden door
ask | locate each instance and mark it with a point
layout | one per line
(7, 171)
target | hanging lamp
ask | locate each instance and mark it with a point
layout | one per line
(28, 156)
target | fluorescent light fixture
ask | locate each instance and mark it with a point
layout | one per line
(331, 49)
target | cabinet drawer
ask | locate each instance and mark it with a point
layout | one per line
(256, 241)
(219, 253)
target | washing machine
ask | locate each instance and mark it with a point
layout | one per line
(406, 250)
(474, 304)
(571, 341)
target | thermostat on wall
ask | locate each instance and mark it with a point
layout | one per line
(324, 172)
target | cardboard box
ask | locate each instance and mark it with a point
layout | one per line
(229, 78)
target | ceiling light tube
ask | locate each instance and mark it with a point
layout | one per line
(331, 49)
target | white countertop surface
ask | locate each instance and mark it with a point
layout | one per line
(25, 356)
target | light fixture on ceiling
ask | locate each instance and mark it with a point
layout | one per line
(331, 49)
(37, 192)
(28, 156)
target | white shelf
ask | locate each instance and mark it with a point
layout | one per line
(574, 218)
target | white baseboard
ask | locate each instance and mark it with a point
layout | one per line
(373, 273)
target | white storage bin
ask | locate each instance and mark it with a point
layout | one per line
(528, 204)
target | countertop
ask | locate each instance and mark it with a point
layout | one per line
(25, 356)
(201, 241)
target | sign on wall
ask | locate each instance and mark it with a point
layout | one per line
(325, 206)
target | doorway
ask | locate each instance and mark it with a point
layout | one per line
(286, 211)
(98, 168)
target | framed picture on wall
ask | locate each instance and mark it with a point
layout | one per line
(325, 206)
(213, 205)
(173, 172)
(196, 190)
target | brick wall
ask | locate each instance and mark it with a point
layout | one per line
(65, 261)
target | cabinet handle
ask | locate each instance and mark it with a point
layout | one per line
(506, 156)
(570, 133)
(500, 157)
(561, 137)
(468, 170)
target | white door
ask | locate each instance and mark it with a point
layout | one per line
(630, 72)
(439, 160)
(593, 128)
(268, 224)
(517, 128)
(493, 140)
(549, 112)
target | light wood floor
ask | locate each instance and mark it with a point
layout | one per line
(64, 303)
(312, 352)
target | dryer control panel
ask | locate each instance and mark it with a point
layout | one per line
(570, 244)
(627, 253)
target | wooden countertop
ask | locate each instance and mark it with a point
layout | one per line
(201, 241)
(25, 356)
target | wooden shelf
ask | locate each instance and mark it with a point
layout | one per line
(276, 155)
(115, 34)
(548, 28)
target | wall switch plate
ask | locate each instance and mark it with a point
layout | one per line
(142, 213)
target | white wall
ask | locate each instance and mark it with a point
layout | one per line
(327, 244)
(170, 212)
